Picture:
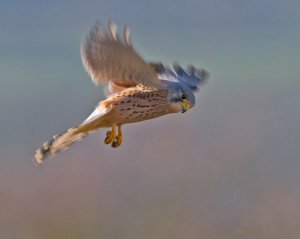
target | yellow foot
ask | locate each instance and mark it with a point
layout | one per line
(118, 139)
(110, 135)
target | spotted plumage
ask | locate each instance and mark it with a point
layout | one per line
(137, 90)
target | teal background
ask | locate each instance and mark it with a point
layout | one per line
(228, 168)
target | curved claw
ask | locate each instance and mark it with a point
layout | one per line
(117, 141)
(110, 136)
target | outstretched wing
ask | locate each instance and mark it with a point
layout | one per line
(110, 60)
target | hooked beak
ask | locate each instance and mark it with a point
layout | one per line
(185, 106)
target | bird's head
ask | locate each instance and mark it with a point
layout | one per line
(182, 85)
(185, 103)
(181, 101)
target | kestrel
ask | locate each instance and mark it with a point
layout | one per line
(137, 90)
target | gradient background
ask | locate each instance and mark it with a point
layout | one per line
(229, 168)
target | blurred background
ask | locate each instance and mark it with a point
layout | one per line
(228, 168)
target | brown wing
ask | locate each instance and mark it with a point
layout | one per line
(106, 58)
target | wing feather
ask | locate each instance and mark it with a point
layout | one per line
(106, 58)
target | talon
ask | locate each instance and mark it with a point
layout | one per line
(118, 139)
(110, 136)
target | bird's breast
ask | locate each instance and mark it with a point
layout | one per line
(139, 106)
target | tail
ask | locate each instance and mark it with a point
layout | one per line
(64, 140)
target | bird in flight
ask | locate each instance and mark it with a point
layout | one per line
(138, 90)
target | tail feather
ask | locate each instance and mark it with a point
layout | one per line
(64, 140)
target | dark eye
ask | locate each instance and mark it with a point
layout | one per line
(183, 96)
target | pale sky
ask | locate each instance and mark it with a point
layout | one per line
(228, 168)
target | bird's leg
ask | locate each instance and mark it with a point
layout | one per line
(118, 139)
(110, 135)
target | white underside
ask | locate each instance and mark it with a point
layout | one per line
(98, 112)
